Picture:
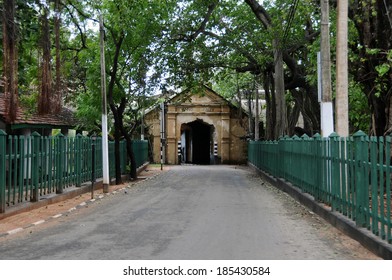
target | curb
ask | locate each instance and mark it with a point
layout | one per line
(79, 206)
(371, 242)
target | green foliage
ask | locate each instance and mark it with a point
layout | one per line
(166, 46)
(194, 54)
(28, 53)
(230, 84)
(382, 69)
(359, 116)
(89, 111)
(29, 103)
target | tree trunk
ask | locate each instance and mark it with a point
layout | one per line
(44, 102)
(281, 114)
(10, 63)
(118, 113)
(293, 115)
(117, 158)
(128, 139)
(270, 103)
(58, 94)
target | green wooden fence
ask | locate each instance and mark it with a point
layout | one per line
(352, 175)
(35, 166)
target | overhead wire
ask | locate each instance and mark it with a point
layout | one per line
(292, 12)
(290, 18)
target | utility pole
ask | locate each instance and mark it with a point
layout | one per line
(257, 114)
(105, 145)
(163, 140)
(325, 96)
(142, 126)
(342, 70)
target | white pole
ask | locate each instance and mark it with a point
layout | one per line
(326, 107)
(105, 146)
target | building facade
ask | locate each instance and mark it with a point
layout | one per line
(198, 127)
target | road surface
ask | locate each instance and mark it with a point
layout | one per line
(189, 212)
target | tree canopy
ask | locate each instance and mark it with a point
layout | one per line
(153, 45)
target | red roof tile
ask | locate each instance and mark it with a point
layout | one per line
(63, 119)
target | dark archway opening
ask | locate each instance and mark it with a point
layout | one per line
(196, 142)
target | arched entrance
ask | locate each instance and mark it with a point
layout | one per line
(197, 142)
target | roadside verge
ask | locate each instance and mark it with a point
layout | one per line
(347, 226)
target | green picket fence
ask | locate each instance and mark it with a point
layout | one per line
(140, 148)
(35, 166)
(352, 175)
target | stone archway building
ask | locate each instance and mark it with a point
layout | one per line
(200, 128)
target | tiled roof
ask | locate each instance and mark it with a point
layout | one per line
(65, 118)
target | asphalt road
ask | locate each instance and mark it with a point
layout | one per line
(190, 212)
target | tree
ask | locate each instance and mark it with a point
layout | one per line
(45, 97)
(192, 42)
(33, 44)
(132, 28)
(277, 47)
(208, 37)
(372, 68)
